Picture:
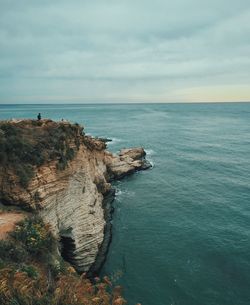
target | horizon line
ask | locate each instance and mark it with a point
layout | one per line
(120, 103)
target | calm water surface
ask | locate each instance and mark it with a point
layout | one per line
(181, 231)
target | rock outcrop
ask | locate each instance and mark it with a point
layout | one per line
(73, 199)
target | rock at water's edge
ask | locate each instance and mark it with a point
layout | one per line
(75, 201)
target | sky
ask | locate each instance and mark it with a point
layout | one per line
(78, 51)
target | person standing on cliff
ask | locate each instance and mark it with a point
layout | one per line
(39, 116)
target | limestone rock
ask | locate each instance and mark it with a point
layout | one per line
(127, 162)
(72, 200)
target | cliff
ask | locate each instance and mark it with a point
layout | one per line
(54, 169)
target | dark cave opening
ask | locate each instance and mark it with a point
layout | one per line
(67, 248)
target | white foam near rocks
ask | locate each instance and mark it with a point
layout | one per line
(149, 154)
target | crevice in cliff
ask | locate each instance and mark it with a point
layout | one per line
(67, 248)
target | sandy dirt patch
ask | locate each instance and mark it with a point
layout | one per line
(8, 222)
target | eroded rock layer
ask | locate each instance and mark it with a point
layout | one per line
(71, 198)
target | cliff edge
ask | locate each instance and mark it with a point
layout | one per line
(54, 169)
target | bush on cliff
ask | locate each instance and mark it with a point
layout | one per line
(12, 253)
(28, 144)
(27, 279)
(30, 239)
(34, 235)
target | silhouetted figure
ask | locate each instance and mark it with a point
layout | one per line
(39, 116)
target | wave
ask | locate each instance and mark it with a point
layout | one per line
(120, 194)
(149, 154)
(114, 141)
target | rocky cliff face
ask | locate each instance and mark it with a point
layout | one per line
(74, 198)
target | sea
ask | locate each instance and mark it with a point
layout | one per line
(181, 230)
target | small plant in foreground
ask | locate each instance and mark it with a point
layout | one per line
(26, 279)
(35, 235)
(30, 270)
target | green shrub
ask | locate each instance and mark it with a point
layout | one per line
(34, 235)
(24, 146)
(8, 129)
(70, 153)
(62, 163)
(30, 270)
(25, 173)
(11, 251)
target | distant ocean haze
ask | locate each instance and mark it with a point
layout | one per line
(181, 229)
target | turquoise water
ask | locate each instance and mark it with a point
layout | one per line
(181, 231)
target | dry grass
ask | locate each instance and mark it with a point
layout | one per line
(32, 272)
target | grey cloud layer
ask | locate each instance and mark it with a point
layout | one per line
(121, 50)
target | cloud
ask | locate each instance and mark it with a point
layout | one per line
(124, 50)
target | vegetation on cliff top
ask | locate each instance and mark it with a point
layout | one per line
(30, 143)
(33, 273)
